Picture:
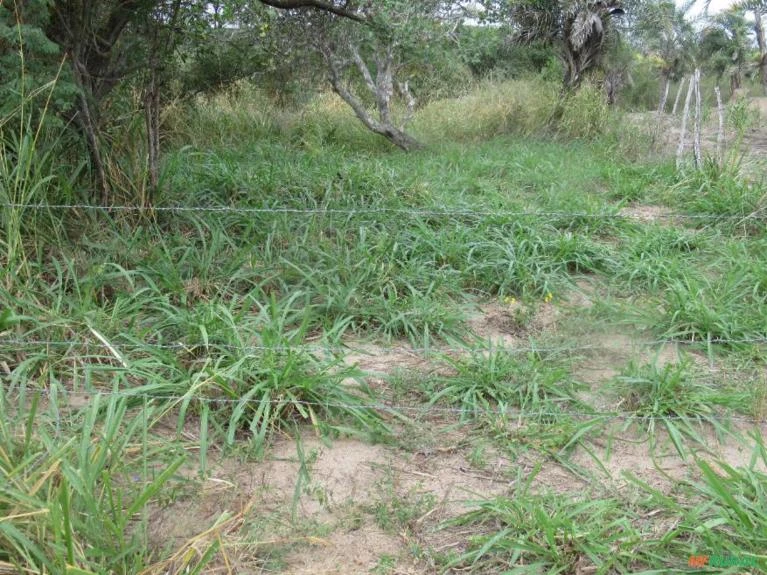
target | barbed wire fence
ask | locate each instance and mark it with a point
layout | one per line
(758, 215)
(119, 354)
(510, 412)
(118, 349)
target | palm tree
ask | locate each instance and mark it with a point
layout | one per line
(665, 32)
(758, 9)
(762, 42)
(725, 44)
(579, 28)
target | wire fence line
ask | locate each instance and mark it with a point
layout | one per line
(511, 412)
(369, 348)
(337, 349)
(382, 210)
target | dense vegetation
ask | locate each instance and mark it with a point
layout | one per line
(208, 208)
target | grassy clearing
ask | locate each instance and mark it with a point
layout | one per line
(228, 327)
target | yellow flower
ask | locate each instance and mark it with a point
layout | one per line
(548, 297)
(509, 300)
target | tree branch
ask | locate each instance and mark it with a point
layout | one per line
(340, 89)
(322, 5)
(363, 68)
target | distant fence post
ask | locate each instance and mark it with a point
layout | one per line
(720, 138)
(683, 129)
(678, 93)
(698, 118)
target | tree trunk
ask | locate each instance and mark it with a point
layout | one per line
(697, 129)
(382, 88)
(404, 92)
(86, 119)
(720, 136)
(735, 82)
(152, 119)
(762, 42)
(678, 94)
(401, 139)
(683, 129)
(398, 137)
(572, 78)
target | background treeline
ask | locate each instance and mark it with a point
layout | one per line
(101, 82)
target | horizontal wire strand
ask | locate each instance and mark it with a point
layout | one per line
(399, 211)
(359, 348)
(509, 412)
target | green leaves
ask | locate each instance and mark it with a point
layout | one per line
(62, 506)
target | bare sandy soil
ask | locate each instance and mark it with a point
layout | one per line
(353, 507)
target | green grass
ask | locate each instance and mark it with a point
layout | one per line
(676, 398)
(719, 513)
(495, 380)
(549, 533)
(70, 498)
(233, 324)
(722, 195)
(556, 433)
(640, 531)
(728, 307)
(653, 256)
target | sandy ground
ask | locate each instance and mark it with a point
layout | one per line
(329, 522)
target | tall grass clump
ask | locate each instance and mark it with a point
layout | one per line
(495, 379)
(544, 532)
(75, 487)
(732, 517)
(255, 389)
(718, 191)
(673, 397)
(729, 307)
(233, 117)
(523, 107)
(26, 177)
(722, 512)
(528, 259)
(584, 113)
(654, 256)
(244, 113)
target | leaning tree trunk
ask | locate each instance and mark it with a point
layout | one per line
(382, 89)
